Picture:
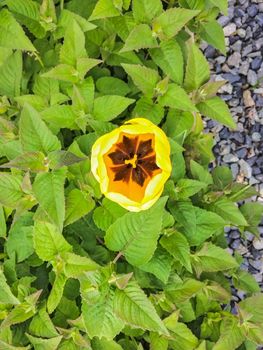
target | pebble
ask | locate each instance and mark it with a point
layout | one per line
(241, 33)
(230, 158)
(248, 100)
(252, 77)
(258, 243)
(256, 63)
(230, 29)
(234, 60)
(245, 168)
(256, 136)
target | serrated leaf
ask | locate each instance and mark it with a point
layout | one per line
(63, 72)
(254, 306)
(105, 215)
(143, 77)
(139, 38)
(75, 265)
(170, 22)
(212, 32)
(34, 134)
(73, 46)
(20, 238)
(184, 339)
(252, 212)
(178, 246)
(112, 86)
(104, 9)
(100, 319)
(41, 325)
(159, 265)
(48, 189)
(48, 241)
(136, 234)
(217, 109)
(59, 117)
(245, 281)
(169, 58)
(197, 69)
(211, 88)
(10, 189)
(200, 173)
(229, 212)
(182, 292)
(176, 97)
(222, 5)
(85, 64)
(157, 342)
(187, 188)
(144, 11)
(133, 307)
(231, 336)
(109, 107)
(44, 344)
(6, 295)
(212, 259)
(101, 344)
(56, 293)
(11, 33)
(11, 75)
(66, 17)
(77, 205)
(34, 161)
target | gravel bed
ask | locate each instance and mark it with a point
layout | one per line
(242, 150)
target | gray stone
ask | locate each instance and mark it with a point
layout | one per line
(246, 50)
(230, 158)
(241, 33)
(256, 63)
(234, 169)
(256, 137)
(237, 46)
(245, 168)
(234, 60)
(230, 29)
(248, 100)
(252, 78)
(252, 10)
(244, 68)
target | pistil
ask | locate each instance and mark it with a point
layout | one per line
(132, 161)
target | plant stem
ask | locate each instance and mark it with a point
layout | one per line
(118, 256)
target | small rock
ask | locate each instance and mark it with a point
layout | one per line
(245, 168)
(244, 68)
(230, 158)
(256, 63)
(246, 50)
(234, 60)
(252, 78)
(237, 46)
(252, 10)
(234, 169)
(230, 29)
(241, 153)
(256, 137)
(241, 33)
(248, 100)
(232, 78)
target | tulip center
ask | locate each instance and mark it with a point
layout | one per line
(132, 161)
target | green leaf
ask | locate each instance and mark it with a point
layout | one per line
(222, 5)
(212, 32)
(109, 107)
(200, 173)
(34, 134)
(229, 212)
(112, 86)
(105, 215)
(197, 69)
(187, 188)
(56, 293)
(157, 342)
(6, 295)
(101, 344)
(144, 11)
(59, 117)
(245, 281)
(212, 259)
(184, 339)
(27, 12)
(146, 108)
(231, 335)
(78, 204)
(2, 222)
(170, 22)
(34, 161)
(10, 190)
(211, 88)
(58, 159)
(44, 344)
(253, 306)
(169, 58)
(133, 307)
(140, 37)
(11, 75)
(143, 77)
(252, 212)
(11, 33)
(48, 189)
(41, 325)
(66, 17)
(178, 246)
(136, 234)
(48, 241)
(63, 72)
(20, 238)
(222, 177)
(185, 291)
(176, 97)
(104, 9)
(217, 109)
(73, 45)
(159, 265)
(99, 317)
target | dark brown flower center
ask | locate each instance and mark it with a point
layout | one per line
(133, 159)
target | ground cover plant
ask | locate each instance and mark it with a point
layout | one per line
(82, 271)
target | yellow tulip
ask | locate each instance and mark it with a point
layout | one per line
(132, 164)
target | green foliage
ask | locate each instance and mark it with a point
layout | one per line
(78, 271)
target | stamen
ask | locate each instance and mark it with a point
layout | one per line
(132, 161)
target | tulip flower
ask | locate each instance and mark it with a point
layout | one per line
(132, 164)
